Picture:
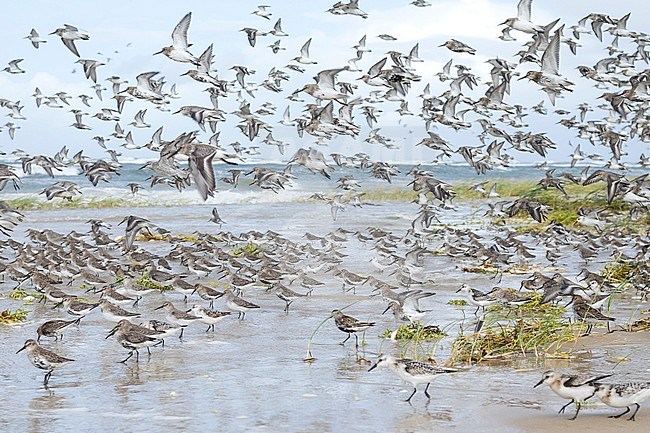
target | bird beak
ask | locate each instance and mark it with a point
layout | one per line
(459, 290)
(539, 383)
(158, 308)
(159, 52)
(505, 22)
(521, 78)
(373, 367)
(111, 333)
(387, 308)
(21, 349)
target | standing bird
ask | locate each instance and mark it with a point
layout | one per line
(578, 388)
(587, 313)
(413, 372)
(350, 325)
(55, 328)
(43, 358)
(240, 305)
(624, 395)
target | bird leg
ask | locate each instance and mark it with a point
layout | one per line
(137, 356)
(627, 409)
(356, 342)
(426, 389)
(408, 400)
(578, 406)
(46, 379)
(634, 414)
(343, 342)
(565, 406)
(127, 358)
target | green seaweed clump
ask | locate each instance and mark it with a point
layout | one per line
(249, 250)
(458, 302)
(147, 282)
(414, 331)
(8, 317)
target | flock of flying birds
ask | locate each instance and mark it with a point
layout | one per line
(49, 259)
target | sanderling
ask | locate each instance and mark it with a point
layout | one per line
(210, 317)
(478, 298)
(413, 372)
(624, 395)
(578, 388)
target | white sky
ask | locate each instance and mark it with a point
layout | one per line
(130, 32)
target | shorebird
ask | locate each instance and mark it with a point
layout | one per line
(210, 317)
(350, 325)
(303, 58)
(413, 372)
(55, 328)
(178, 50)
(43, 359)
(216, 218)
(240, 305)
(35, 38)
(13, 67)
(549, 77)
(578, 388)
(68, 35)
(478, 298)
(624, 395)
(177, 316)
(130, 338)
(522, 21)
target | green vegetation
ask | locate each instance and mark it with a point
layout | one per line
(248, 250)
(147, 282)
(458, 302)
(534, 328)
(620, 271)
(18, 294)
(8, 317)
(414, 331)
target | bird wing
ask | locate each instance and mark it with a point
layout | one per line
(71, 46)
(203, 174)
(376, 68)
(523, 10)
(325, 79)
(179, 35)
(304, 51)
(551, 56)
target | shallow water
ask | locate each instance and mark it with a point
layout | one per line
(250, 375)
